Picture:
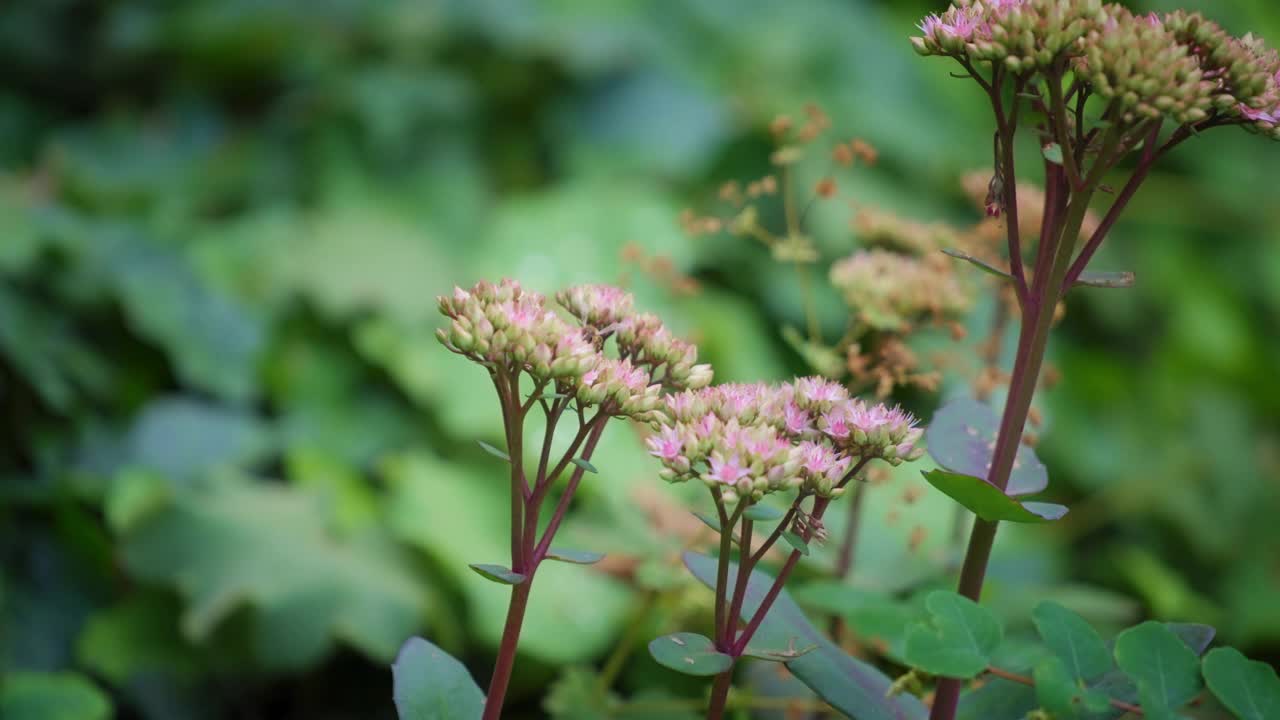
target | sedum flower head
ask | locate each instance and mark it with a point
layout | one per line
(510, 331)
(889, 291)
(1242, 73)
(752, 439)
(1022, 34)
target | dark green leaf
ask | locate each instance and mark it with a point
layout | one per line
(689, 653)
(962, 438)
(52, 696)
(429, 684)
(577, 557)
(497, 573)
(997, 699)
(1166, 671)
(762, 513)
(1116, 684)
(957, 640)
(1106, 279)
(987, 502)
(852, 686)
(1053, 153)
(1072, 639)
(796, 542)
(500, 454)
(585, 465)
(1249, 688)
(1060, 693)
(978, 263)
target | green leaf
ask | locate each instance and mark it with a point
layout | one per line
(1248, 688)
(962, 439)
(1072, 639)
(497, 573)
(577, 557)
(1166, 671)
(585, 465)
(500, 454)
(1053, 153)
(987, 502)
(52, 696)
(762, 513)
(1060, 693)
(958, 639)
(852, 686)
(689, 653)
(796, 542)
(1090, 278)
(430, 684)
(235, 544)
(981, 265)
(1116, 684)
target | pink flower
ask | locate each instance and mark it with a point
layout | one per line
(728, 471)
(816, 459)
(1259, 115)
(836, 423)
(796, 421)
(666, 445)
(819, 390)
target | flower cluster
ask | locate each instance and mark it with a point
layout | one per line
(510, 331)
(1022, 34)
(748, 440)
(1179, 65)
(889, 291)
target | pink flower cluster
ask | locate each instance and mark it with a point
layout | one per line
(754, 439)
(511, 331)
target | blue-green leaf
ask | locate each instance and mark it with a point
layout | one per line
(577, 557)
(429, 684)
(585, 465)
(962, 439)
(762, 513)
(500, 454)
(689, 653)
(796, 542)
(52, 696)
(957, 640)
(497, 573)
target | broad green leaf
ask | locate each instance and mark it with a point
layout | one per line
(500, 454)
(1105, 279)
(987, 502)
(1060, 693)
(852, 686)
(689, 653)
(577, 557)
(958, 638)
(498, 574)
(52, 696)
(1072, 639)
(762, 513)
(985, 267)
(1116, 684)
(796, 542)
(962, 437)
(236, 544)
(1166, 671)
(1249, 688)
(430, 684)
(585, 465)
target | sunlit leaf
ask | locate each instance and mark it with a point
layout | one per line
(987, 502)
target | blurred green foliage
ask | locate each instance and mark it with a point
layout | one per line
(239, 470)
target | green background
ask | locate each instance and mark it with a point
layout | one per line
(238, 470)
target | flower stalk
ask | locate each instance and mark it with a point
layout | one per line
(1048, 60)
